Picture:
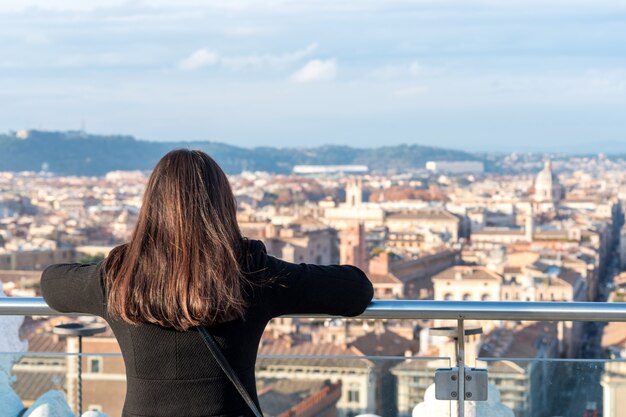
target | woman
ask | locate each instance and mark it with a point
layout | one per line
(187, 265)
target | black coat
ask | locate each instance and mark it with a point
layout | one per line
(171, 373)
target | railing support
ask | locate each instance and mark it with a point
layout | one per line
(460, 363)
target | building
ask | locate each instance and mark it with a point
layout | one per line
(36, 373)
(548, 191)
(329, 169)
(395, 277)
(321, 362)
(614, 389)
(302, 398)
(467, 283)
(438, 221)
(413, 377)
(386, 343)
(613, 379)
(352, 246)
(622, 248)
(35, 260)
(524, 385)
(104, 375)
(353, 209)
(456, 167)
(301, 243)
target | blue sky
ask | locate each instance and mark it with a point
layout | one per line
(476, 75)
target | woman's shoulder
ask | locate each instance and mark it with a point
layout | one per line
(254, 256)
(255, 245)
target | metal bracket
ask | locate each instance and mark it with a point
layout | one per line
(447, 384)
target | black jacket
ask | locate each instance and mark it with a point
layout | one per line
(172, 373)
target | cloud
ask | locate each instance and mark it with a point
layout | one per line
(36, 38)
(308, 6)
(316, 70)
(410, 91)
(400, 71)
(205, 58)
(268, 60)
(415, 68)
(199, 59)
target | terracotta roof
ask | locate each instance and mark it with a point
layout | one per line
(384, 279)
(311, 354)
(386, 343)
(423, 214)
(569, 275)
(46, 342)
(309, 222)
(31, 385)
(539, 266)
(279, 395)
(499, 231)
(551, 235)
(518, 343)
(506, 367)
(468, 273)
(15, 276)
(614, 334)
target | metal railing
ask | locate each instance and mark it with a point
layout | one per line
(423, 309)
(418, 309)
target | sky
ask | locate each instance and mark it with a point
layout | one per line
(478, 75)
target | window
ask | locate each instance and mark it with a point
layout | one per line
(95, 365)
(353, 395)
(467, 297)
(448, 296)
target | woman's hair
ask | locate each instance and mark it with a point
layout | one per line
(181, 267)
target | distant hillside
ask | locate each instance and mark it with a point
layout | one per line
(76, 153)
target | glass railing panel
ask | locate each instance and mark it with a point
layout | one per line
(361, 385)
(559, 387)
(40, 378)
(345, 385)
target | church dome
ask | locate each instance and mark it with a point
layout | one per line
(547, 187)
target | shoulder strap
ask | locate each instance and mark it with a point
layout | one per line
(228, 370)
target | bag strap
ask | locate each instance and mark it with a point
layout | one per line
(228, 370)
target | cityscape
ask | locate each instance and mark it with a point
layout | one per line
(469, 156)
(539, 228)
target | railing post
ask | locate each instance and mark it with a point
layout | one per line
(460, 363)
(80, 376)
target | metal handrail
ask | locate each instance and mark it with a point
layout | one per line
(417, 309)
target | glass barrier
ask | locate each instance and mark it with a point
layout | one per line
(345, 386)
(559, 387)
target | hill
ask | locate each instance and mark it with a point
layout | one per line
(77, 153)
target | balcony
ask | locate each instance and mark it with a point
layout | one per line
(347, 382)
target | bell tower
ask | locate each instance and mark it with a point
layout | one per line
(352, 247)
(354, 192)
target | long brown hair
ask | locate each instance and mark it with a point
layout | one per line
(181, 267)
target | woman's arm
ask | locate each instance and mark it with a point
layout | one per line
(74, 288)
(342, 290)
